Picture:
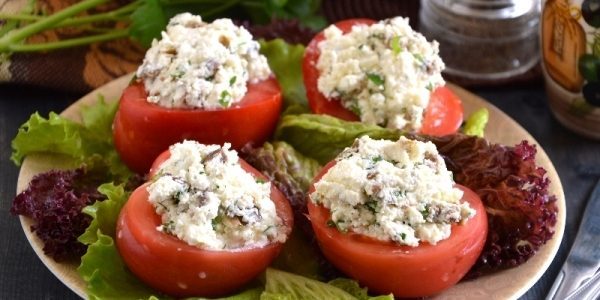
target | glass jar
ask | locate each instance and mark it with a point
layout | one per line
(483, 40)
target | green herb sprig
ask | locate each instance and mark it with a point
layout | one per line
(135, 16)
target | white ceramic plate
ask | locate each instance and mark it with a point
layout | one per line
(508, 284)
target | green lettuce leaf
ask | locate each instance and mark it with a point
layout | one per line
(106, 275)
(104, 213)
(88, 142)
(476, 122)
(102, 268)
(276, 296)
(282, 163)
(323, 137)
(249, 294)
(54, 135)
(284, 285)
(97, 119)
(352, 288)
(292, 173)
(286, 62)
(302, 169)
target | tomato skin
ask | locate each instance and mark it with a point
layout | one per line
(173, 267)
(385, 267)
(443, 115)
(142, 130)
(157, 162)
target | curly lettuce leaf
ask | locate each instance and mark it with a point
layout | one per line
(521, 211)
(286, 62)
(476, 122)
(323, 137)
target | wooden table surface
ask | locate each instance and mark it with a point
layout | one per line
(23, 276)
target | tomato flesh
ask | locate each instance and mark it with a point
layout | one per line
(173, 267)
(385, 267)
(143, 130)
(443, 115)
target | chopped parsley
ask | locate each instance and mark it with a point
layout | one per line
(376, 79)
(400, 193)
(429, 86)
(395, 44)
(216, 221)
(168, 227)
(331, 223)
(225, 99)
(372, 205)
(419, 58)
(355, 108)
(177, 197)
(177, 74)
(232, 80)
(425, 212)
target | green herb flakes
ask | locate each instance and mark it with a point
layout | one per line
(376, 79)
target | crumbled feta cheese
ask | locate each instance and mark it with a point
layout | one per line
(201, 65)
(206, 199)
(384, 72)
(392, 191)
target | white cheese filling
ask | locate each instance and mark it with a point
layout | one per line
(384, 72)
(201, 65)
(392, 191)
(206, 199)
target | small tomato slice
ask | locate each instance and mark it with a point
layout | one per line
(443, 115)
(143, 130)
(176, 268)
(385, 267)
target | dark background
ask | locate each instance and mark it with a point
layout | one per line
(23, 276)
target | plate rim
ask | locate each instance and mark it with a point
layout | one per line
(550, 249)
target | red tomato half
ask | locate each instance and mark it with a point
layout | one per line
(171, 266)
(444, 113)
(143, 130)
(385, 267)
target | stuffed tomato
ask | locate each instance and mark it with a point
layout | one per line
(389, 215)
(201, 81)
(380, 73)
(206, 225)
